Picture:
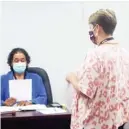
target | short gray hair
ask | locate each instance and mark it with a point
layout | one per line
(106, 18)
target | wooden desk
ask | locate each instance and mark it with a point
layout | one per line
(35, 120)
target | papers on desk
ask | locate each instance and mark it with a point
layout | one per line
(23, 108)
(32, 107)
(21, 89)
(7, 109)
(52, 111)
(40, 108)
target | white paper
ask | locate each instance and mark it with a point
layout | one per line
(25, 108)
(21, 89)
(32, 107)
(6, 109)
(52, 111)
(69, 92)
(40, 108)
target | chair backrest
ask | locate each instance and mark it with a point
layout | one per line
(43, 74)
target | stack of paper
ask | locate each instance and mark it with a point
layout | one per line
(32, 107)
(6, 109)
(40, 108)
(52, 110)
(20, 108)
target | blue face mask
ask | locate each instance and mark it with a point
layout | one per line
(19, 67)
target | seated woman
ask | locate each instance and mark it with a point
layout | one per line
(18, 61)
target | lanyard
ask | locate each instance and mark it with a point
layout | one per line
(105, 40)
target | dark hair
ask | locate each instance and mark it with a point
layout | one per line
(16, 50)
(105, 18)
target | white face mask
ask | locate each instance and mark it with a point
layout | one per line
(19, 67)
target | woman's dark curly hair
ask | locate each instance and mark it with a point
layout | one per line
(16, 50)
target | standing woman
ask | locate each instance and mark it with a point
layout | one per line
(18, 60)
(101, 98)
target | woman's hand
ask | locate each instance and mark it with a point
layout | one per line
(10, 101)
(23, 103)
(71, 78)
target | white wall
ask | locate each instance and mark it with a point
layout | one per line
(55, 34)
(1, 36)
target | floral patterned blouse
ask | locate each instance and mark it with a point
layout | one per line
(103, 100)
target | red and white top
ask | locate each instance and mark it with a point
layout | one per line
(104, 84)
